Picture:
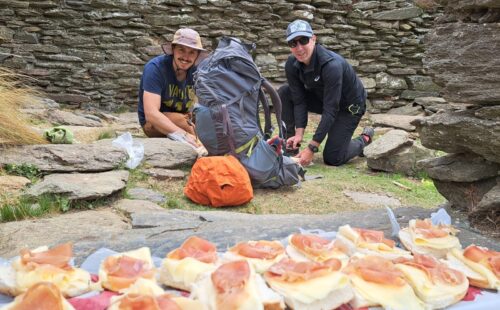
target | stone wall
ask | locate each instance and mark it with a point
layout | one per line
(461, 55)
(90, 53)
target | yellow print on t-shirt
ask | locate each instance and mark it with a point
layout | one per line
(180, 99)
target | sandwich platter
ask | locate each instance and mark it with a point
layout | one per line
(360, 264)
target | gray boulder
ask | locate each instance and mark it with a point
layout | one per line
(461, 132)
(395, 121)
(460, 57)
(388, 144)
(464, 195)
(81, 186)
(459, 168)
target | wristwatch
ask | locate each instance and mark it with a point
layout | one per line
(313, 148)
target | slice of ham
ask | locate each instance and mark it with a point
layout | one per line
(197, 248)
(288, 270)
(377, 270)
(435, 270)
(58, 256)
(488, 258)
(229, 281)
(122, 271)
(312, 244)
(41, 296)
(428, 230)
(144, 302)
(374, 236)
(262, 249)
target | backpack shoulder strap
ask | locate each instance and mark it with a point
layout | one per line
(268, 128)
(275, 98)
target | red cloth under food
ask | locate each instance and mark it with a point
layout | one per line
(472, 292)
(97, 302)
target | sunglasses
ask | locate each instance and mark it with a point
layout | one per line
(302, 41)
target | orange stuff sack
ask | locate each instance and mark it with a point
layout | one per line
(219, 181)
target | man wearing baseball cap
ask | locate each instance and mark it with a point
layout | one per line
(166, 93)
(322, 82)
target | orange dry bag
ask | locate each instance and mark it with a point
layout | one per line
(219, 181)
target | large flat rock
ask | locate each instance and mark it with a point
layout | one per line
(163, 152)
(91, 230)
(81, 186)
(50, 158)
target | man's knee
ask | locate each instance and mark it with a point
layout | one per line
(333, 160)
(150, 131)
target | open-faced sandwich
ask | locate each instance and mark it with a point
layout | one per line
(235, 286)
(184, 265)
(422, 237)
(260, 254)
(377, 282)
(369, 242)
(147, 295)
(308, 247)
(433, 281)
(479, 264)
(118, 272)
(40, 296)
(44, 265)
(310, 285)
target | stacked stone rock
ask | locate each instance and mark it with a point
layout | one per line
(91, 53)
(461, 54)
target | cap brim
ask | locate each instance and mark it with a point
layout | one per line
(299, 34)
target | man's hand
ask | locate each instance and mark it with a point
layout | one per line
(293, 142)
(305, 157)
(192, 140)
(185, 137)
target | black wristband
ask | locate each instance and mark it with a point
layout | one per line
(313, 148)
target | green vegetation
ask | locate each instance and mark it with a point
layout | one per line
(24, 207)
(109, 134)
(25, 170)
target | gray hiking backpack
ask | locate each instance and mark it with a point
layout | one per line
(229, 88)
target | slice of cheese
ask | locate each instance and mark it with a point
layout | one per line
(185, 271)
(434, 293)
(447, 242)
(388, 296)
(355, 243)
(473, 270)
(259, 265)
(250, 299)
(142, 254)
(312, 290)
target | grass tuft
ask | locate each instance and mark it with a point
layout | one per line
(14, 128)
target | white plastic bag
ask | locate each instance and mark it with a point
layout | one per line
(394, 223)
(135, 150)
(441, 217)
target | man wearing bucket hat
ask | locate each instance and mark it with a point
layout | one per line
(323, 82)
(166, 93)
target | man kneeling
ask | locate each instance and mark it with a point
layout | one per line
(166, 93)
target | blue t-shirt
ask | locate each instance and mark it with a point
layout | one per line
(159, 78)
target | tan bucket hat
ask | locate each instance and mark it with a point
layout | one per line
(186, 37)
